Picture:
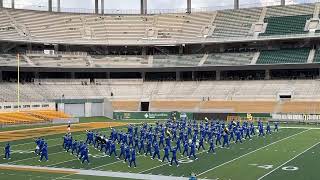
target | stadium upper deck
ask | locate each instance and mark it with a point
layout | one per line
(252, 24)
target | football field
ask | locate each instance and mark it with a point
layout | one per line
(292, 153)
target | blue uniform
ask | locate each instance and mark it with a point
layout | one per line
(261, 132)
(185, 149)
(218, 140)
(127, 153)
(174, 157)
(37, 150)
(156, 151)
(161, 140)
(178, 145)
(252, 129)
(133, 158)
(238, 136)
(166, 154)
(268, 129)
(247, 133)
(192, 151)
(85, 155)
(122, 151)
(168, 142)
(141, 146)
(113, 149)
(225, 140)
(211, 148)
(201, 144)
(276, 128)
(231, 135)
(148, 149)
(44, 153)
(74, 146)
(7, 152)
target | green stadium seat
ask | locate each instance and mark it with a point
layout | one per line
(286, 56)
(286, 25)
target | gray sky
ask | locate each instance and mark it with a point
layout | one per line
(152, 4)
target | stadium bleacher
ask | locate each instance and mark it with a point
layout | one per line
(229, 59)
(286, 25)
(30, 117)
(176, 60)
(234, 96)
(18, 24)
(284, 56)
(234, 23)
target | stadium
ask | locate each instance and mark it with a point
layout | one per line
(109, 93)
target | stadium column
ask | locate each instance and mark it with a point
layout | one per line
(108, 75)
(102, 7)
(0, 76)
(12, 4)
(58, 6)
(73, 75)
(1, 3)
(188, 6)
(36, 75)
(218, 75)
(143, 7)
(96, 6)
(50, 5)
(267, 74)
(143, 75)
(236, 4)
(178, 76)
(283, 2)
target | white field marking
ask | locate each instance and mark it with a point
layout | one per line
(292, 127)
(63, 177)
(199, 174)
(288, 161)
(298, 127)
(115, 162)
(76, 158)
(52, 165)
(34, 157)
(197, 154)
(183, 158)
(60, 137)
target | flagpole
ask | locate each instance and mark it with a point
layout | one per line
(18, 83)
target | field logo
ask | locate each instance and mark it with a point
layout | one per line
(146, 115)
(249, 116)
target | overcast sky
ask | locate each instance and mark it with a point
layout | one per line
(152, 4)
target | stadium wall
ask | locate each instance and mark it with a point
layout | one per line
(82, 107)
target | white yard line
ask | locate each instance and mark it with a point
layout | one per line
(58, 138)
(288, 161)
(96, 173)
(180, 159)
(32, 158)
(251, 152)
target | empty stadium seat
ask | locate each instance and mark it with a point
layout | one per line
(235, 23)
(286, 25)
(285, 56)
(229, 59)
(176, 60)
